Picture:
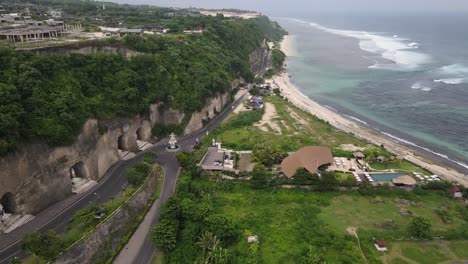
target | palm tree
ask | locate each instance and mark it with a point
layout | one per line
(208, 241)
(214, 251)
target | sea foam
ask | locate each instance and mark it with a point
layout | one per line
(451, 80)
(453, 74)
(393, 48)
(420, 86)
(424, 148)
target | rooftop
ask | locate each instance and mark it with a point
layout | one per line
(404, 180)
(309, 158)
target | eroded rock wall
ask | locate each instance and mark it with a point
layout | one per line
(87, 50)
(38, 175)
(212, 107)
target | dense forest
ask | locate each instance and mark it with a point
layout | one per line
(48, 98)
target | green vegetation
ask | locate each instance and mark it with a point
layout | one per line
(137, 175)
(48, 246)
(311, 223)
(298, 129)
(48, 98)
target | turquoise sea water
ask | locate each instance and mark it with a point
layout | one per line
(406, 77)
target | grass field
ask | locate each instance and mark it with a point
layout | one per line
(298, 129)
(294, 224)
(430, 252)
(289, 221)
(287, 224)
(374, 213)
(403, 165)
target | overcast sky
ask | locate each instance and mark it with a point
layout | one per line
(291, 7)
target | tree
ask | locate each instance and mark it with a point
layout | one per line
(14, 260)
(420, 227)
(267, 155)
(222, 227)
(328, 182)
(207, 241)
(303, 177)
(259, 178)
(164, 235)
(213, 251)
(47, 246)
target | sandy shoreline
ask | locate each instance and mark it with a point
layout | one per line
(294, 96)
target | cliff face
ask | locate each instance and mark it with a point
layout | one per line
(260, 60)
(90, 49)
(37, 175)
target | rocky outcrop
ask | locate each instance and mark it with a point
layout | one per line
(212, 107)
(260, 60)
(99, 245)
(87, 50)
(38, 175)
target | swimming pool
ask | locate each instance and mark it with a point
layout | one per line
(385, 177)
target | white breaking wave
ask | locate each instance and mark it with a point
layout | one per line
(455, 69)
(393, 48)
(456, 73)
(426, 149)
(414, 45)
(357, 120)
(451, 81)
(420, 86)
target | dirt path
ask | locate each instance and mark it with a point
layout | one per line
(352, 231)
(267, 120)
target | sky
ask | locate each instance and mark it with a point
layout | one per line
(294, 7)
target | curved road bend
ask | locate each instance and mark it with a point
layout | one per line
(57, 216)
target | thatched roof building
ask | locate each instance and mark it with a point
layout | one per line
(309, 158)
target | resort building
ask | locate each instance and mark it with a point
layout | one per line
(359, 155)
(457, 194)
(309, 158)
(380, 245)
(130, 31)
(405, 181)
(31, 34)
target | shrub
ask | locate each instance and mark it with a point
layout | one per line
(420, 227)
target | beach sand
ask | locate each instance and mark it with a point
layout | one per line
(293, 95)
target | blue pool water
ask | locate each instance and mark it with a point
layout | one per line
(385, 177)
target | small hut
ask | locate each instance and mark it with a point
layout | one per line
(404, 180)
(380, 159)
(380, 245)
(359, 155)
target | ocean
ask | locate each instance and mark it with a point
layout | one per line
(405, 76)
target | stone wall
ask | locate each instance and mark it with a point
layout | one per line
(86, 50)
(98, 245)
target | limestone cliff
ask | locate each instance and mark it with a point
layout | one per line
(37, 175)
(86, 50)
(260, 60)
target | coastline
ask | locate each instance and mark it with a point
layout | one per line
(293, 94)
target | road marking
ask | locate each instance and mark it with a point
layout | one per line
(7, 258)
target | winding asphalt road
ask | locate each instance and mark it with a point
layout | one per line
(59, 215)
